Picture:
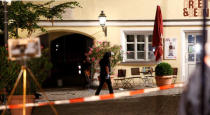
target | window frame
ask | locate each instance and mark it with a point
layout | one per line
(146, 47)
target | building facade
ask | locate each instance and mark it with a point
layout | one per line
(129, 24)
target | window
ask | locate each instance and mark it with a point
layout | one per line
(194, 41)
(139, 47)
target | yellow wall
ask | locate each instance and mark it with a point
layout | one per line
(124, 10)
(114, 36)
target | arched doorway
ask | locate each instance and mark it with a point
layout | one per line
(67, 53)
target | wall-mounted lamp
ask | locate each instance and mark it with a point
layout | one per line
(102, 21)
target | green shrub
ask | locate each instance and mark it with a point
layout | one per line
(96, 53)
(9, 71)
(163, 69)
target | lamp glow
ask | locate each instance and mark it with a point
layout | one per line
(102, 22)
(197, 48)
(102, 19)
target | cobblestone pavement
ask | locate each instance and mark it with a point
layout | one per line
(163, 102)
(69, 93)
(149, 105)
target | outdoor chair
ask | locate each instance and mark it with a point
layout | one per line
(175, 71)
(120, 77)
(135, 73)
(148, 76)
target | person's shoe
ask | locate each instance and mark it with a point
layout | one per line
(37, 95)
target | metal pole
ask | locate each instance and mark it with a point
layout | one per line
(5, 23)
(24, 90)
(203, 69)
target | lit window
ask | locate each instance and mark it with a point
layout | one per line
(139, 47)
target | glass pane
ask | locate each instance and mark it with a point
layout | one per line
(198, 39)
(151, 48)
(140, 47)
(130, 38)
(198, 57)
(140, 38)
(130, 47)
(140, 55)
(191, 49)
(191, 38)
(198, 48)
(151, 55)
(150, 38)
(130, 55)
(190, 57)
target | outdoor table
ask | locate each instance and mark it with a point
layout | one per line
(148, 78)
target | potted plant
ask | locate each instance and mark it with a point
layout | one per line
(163, 74)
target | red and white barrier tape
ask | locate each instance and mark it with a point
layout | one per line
(93, 98)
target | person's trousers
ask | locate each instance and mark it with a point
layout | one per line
(102, 81)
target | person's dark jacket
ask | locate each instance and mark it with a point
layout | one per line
(190, 103)
(103, 63)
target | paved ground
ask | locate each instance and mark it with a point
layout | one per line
(69, 93)
(155, 103)
(149, 105)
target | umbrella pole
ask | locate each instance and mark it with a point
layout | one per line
(203, 77)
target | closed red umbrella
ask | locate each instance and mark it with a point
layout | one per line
(157, 34)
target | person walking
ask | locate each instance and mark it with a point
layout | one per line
(193, 101)
(105, 73)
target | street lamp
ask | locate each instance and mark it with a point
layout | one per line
(5, 2)
(102, 21)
